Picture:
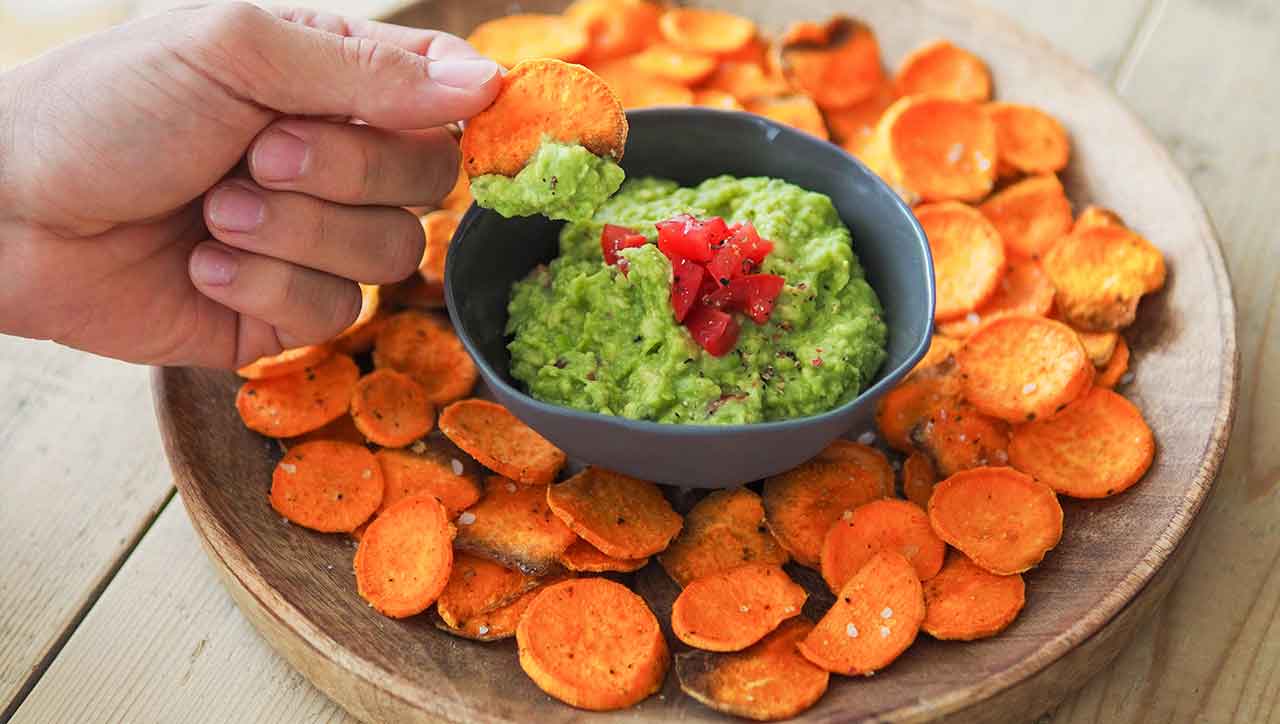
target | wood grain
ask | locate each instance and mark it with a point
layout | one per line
(83, 476)
(1105, 568)
(178, 647)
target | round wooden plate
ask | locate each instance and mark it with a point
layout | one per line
(1116, 560)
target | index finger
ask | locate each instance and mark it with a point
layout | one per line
(433, 44)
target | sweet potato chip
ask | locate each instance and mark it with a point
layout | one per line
(327, 486)
(957, 437)
(745, 81)
(888, 524)
(968, 256)
(358, 338)
(723, 530)
(1024, 368)
(942, 69)
(1117, 366)
(424, 347)
(675, 64)
(622, 516)
(1002, 519)
(854, 126)
(875, 618)
(1031, 215)
(513, 39)
(1029, 140)
(964, 602)
(413, 293)
(583, 557)
(391, 409)
(340, 430)
(1100, 273)
(1024, 290)
(637, 89)
(869, 459)
(615, 27)
(918, 479)
(1099, 446)
(477, 586)
(797, 111)
(430, 468)
(914, 400)
(286, 362)
(491, 434)
(716, 99)
(500, 623)
(803, 503)
(403, 561)
(766, 682)
(1097, 216)
(593, 644)
(1099, 346)
(438, 226)
(753, 53)
(299, 402)
(941, 349)
(540, 99)
(837, 63)
(459, 198)
(513, 525)
(733, 609)
(935, 149)
(706, 31)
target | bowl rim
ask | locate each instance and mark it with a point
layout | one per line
(496, 380)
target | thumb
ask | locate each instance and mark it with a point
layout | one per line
(365, 71)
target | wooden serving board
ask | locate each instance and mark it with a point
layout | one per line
(1116, 560)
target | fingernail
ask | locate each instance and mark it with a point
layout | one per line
(278, 156)
(212, 267)
(465, 73)
(235, 208)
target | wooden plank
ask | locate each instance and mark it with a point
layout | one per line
(167, 644)
(1093, 32)
(83, 476)
(1201, 76)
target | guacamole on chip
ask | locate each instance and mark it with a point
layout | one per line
(561, 181)
(805, 336)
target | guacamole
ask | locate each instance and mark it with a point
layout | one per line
(597, 337)
(561, 181)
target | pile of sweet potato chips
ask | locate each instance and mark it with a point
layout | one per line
(1012, 408)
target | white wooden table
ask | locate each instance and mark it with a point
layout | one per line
(109, 610)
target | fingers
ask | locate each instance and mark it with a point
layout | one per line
(297, 69)
(356, 164)
(371, 244)
(304, 306)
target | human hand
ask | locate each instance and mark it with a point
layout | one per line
(186, 189)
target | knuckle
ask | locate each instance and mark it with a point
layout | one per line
(230, 21)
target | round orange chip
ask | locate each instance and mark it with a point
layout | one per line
(286, 362)
(957, 437)
(733, 609)
(1100, 273)
(391, 409)
(513, 525)
(478, 586)
(637, 89)
(1117, 366)
(724, 530)
(1031, 215)
(433, 468)
(1024, 368)
(327, 486)
(593, 644)
(837, 63)
(358, 338)
(940, 68)
(403, 561)
(1023, 290)
(1002, 519)
(936, 149)
(706, 31)
(854, 126)
(888, 524)
(543, 99)
(298, 402)
(968, 256)
(1030, 140)
(622, 516)
(1099, 446)
(513, 39)
(716, 99)
(498, 439)
(745, 81)
(674, 64)
(615, 27)
(964, 602)
(583, 557)
(424, 347)
(914, 400)
(797, 111)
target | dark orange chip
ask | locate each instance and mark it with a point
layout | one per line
(582, 557)
(513, 525)
(678, 65)
(491, 434)
(286, 362)
(358, 338)
(888, 524)
(724, 530)
(478, 586)
(964, 602)
(1116, 367)
(340, 430)
(615, 27)
(918, 479)
(706, 31)
(1002, 519)
(935, 149)
(1024, 290)
(327, 486)
(837, 63)
(1030, 140)
(798, 111)
(424, 347)
(622, 516)
(915, 399)
(403, 561)
(745, 81)
(637, 89)
(957, 437)
(431, 468)
(733, 609)
(298, 402)
(391, 409)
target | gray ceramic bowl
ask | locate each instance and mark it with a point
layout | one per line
(490, 253)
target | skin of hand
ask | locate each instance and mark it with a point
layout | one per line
(188, 189)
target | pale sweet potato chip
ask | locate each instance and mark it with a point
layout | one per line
(968, 257)
(402, 563)
(942, 69)
(1031, 215)
(887, 524)
(1100, 273)
(513, 39)
(1029, 140)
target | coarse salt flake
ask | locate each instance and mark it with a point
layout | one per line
(467, 518)
(511, 487)
(1028, 388)
(886, 613)
(366, 474)
(851, 630)
(955, 153)
(456, 466)
(972, 318)
(289, 468)
(744, 608)
(983, 162)
(847, 515)
(884, 632)
(418, 447)
(482, 630)
(867, 438)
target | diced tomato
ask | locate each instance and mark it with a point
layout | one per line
(748, 241)
(686, 282)
(754, 295)
(713, 330)
(726, 265)
(691, 238)
(614, 239)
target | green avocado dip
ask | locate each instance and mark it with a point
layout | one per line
(561, 181)
(601, 338)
